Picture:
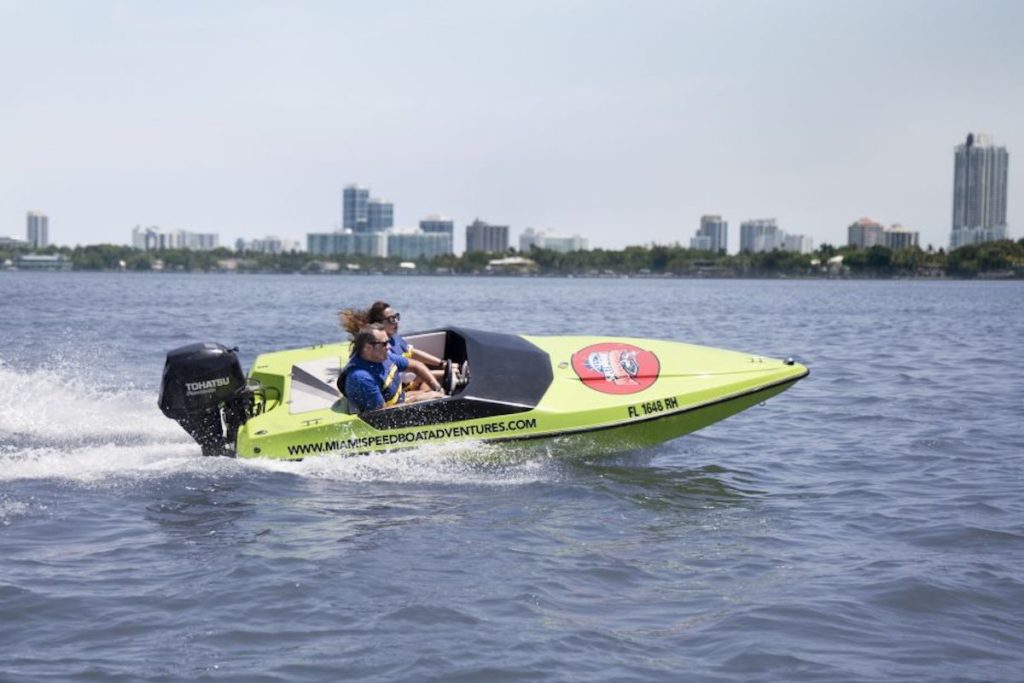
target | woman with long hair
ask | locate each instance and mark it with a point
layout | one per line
(380, 312)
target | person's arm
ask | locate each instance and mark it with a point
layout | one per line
(427, 359)
(424, 375)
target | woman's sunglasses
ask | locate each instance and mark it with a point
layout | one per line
(393, 318)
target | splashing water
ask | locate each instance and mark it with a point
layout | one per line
(60, 423)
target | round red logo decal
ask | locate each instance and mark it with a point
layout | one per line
(616, 368)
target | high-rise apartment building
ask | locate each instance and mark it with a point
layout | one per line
(268, 245)
(37, 229)
(979, 191)
(380, 215)
(481, 236)
(440, 225)
(760, 234)
(355, 202)
(416, 244)
(713, 235)
(346, 242)
(865, 233)
(437, 223)
(897, 237)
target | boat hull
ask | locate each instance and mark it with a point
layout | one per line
(601, 395)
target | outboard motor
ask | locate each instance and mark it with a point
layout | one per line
(204, 390)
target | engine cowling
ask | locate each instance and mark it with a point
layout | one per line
(204, 390)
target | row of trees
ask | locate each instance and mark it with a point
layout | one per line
(1004, 258)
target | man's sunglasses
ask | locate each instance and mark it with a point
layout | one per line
(393, 318)
(378, 344)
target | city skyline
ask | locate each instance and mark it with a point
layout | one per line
(621, 124)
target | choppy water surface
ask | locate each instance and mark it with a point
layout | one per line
(866, 525)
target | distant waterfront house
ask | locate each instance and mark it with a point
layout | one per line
(836, 268)
(41, 262)
(512, 264)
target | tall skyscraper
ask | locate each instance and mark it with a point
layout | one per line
(37, 229)
(380, 215)
(979, 192)
(713, 235)
(481, 236)
(355, 202)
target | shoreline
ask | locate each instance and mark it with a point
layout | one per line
(987, 277)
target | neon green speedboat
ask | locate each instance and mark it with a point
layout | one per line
(586, 393)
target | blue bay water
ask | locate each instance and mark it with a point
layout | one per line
(866, 525)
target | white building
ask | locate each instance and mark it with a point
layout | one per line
(268, 245)
(762, 234)
(549, 240)
(800, 244)
(155, 238)
(9, 242)
(866, 233)
(40, 262)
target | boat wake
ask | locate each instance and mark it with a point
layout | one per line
(63, 424)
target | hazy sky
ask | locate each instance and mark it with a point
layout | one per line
(620, 121)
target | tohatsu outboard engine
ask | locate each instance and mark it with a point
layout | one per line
(204, 390)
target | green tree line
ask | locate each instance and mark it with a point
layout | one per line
(1004, 258)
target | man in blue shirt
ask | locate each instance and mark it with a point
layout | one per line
(372, 379)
